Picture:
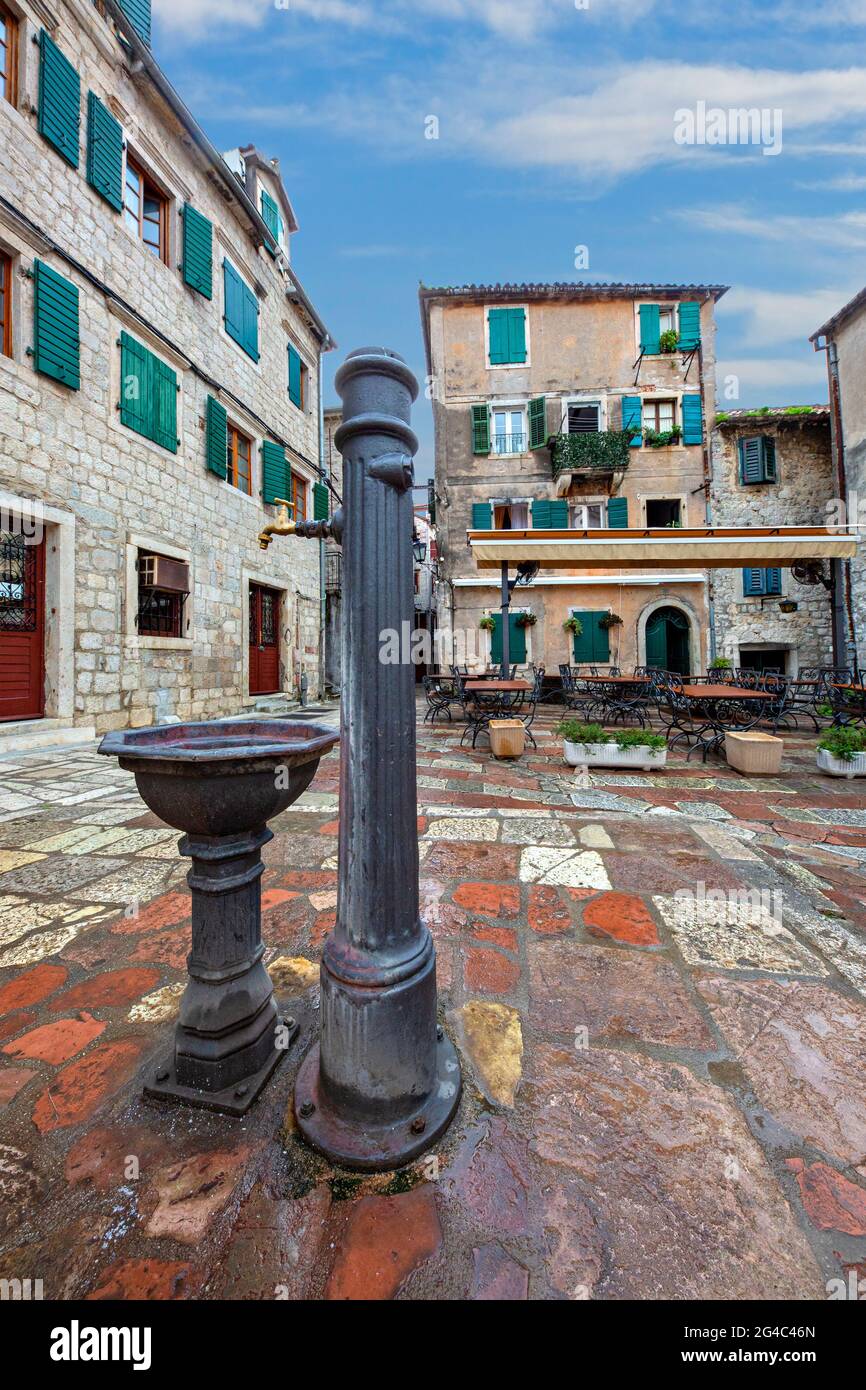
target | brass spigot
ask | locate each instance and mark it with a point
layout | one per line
(282, 526)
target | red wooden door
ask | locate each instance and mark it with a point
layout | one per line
(22, 628)
(264, 641)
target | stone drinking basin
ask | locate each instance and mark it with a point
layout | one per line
(220, 783)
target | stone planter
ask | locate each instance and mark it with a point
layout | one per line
(610, 755)
(507, 738)
(841, 767)
(758, 755)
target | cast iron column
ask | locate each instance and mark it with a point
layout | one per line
(505, 665)
(384, 1081)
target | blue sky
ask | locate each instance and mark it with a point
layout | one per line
(556, 130)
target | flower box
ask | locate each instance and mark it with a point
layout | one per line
(841, 767)
(610, 755)
(756, 754)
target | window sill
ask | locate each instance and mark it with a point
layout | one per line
(237, 492)
(160, 644)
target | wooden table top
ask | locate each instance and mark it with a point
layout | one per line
(723, 692)
(616, 680)
(507, 686)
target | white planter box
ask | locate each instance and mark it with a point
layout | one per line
(841, 767)
(609, 755)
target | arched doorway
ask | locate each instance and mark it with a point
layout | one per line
(667, 640)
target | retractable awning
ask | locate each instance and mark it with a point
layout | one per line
(696, 547)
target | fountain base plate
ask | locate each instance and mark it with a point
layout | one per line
(234, 1100)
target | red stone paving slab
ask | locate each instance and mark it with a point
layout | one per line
(490, 899)
(456, 859)
(169, 948)
(629, 873)
(621, 917)
(803, 1048)
(76, 1093)
(31, 987)
(832, 1202)
(549, 914)
(649, 1205)
(13, 1080)
(488, 972)
(105, 991)
(386, 1240)
(277, 1247)
(191, 1191)
(56, 1042)
(491, 1178)
(165, 911)
(496, 1277)
(612, 994)
(147, 1279)
(505, 937)
(101, 1156)
(15, 1023)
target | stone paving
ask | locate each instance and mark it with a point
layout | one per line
(657, 983)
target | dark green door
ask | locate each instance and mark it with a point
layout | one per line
(667, 641)
(516, 641)
(593, 644)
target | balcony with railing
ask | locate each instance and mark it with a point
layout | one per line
(509, 443)
(589, 453)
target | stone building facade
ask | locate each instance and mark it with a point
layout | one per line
(578, 406)
(333, 556)
(772, 466)
(159, 387)
(843, 339)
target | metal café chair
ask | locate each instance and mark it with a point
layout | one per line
(680, 719)
(439, 696)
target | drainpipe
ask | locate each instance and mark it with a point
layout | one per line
(844, 635)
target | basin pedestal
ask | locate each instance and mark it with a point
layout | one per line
(222, 783)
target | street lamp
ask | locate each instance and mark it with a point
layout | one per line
(420, 549)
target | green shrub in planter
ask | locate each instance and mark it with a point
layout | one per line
(638, 738)
(574, 732)
(844, 743)
(668, 340)
(488, 624)
(721, 663)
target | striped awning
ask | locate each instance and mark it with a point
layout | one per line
(692, 548)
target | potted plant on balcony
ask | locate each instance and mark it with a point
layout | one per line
(668, 341)
(589, 745)
(610, 620)
(526, 620)
(574, 626)
(662, 439)
(487, 624)
(842, 752)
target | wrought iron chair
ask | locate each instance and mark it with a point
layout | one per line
(439, 691)
(679, 717)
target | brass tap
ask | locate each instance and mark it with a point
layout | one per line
(282, 526)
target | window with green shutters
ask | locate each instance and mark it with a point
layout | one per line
(148, 394)
(276, 473)
(321, 502)
(138, 14)
(507, 336)
(537, 423)
(56, 343)
(296, 378)
(550, 515)
(593, 644)
(197, 251)
(632, 419)
(617, 513)
(762, 582)
(482, 516)
(758, 460)
(59, 100)
(216, 449)
(650, 329)
(690, 325)
(241, 312)
(271, 216)
(693, 420)
(480, 429)
(104, 152)
(516, 641)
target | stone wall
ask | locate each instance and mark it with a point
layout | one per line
(334, 558)
(109, 489)
(799, 498)
(851, 348)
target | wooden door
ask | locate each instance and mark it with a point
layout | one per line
(22, 628)
(264, 640)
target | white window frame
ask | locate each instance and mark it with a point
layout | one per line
(513, 502)
(506, 366)
(574, 503)
(586, 398)
(664, 307)
(509, 406)
(668, 496)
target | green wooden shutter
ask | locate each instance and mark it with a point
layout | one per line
(650, 329)
(632, 419)
(690, 325)
(56, 345)
(295, 378)
(617, 513)
(138, 14)
(148, 394)
(276, 473)
(516, 641)
(541, 515)
(537, 423)
(217, 438)
(600, 640)
(550, 515)
(693, 420)
(754, 581)
(482, 516)
(197, 251)
(657, 643)
(104, 152)
(270, 215)
(773, 584)
(480, 429)
(771, 473)
(593, 644)
(507, 330)
(250, 342)
(59, 100)
(751, 461)
(241, 312)
(321, 502)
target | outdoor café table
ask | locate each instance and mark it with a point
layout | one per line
(616, 680)
(491, 698)
(489, 685)
(720, 705)
(621, 695)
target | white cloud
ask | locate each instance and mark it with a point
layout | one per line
(846, 231)
(785, 375)
(779, 316)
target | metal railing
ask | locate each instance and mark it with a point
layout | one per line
(509, 443)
